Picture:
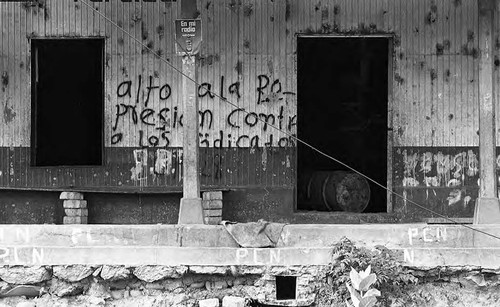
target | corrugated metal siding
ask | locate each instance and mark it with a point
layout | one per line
(243, 39)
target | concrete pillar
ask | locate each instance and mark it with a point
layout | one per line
(487, 210)
(191, 211)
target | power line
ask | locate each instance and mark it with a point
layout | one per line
(286, 133)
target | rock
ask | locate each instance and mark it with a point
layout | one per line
(117, 294)
(220, 284)
(72, 273)
(24, 275)
(208, 285)
(172, 284)
(62, 288)
(197, 285)
(111, 272)
(239, 281)
(135, 293)
(233, 301)
(209, 270)
(98, 290)
(151, 273)
(211, 302)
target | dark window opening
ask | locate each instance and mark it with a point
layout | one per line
(67, 103)
(342, 110)
(286, 287)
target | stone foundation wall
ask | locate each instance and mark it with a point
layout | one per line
(230, 286)
(80, 285)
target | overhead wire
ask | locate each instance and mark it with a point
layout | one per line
(290, 135)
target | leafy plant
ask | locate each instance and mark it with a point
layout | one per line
(391, 276)
(361, 294)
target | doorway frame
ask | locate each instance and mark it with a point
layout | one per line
(33, 98)
(390, 105)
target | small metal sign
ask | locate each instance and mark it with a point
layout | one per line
(187, 36)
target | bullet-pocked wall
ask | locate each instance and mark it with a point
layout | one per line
(248, 56)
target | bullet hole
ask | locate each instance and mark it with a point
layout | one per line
(496, 61)
(466, 50)
(397, 41)
(209, 60)
(120, 41)
(373, 27)
(136, 18)
(401, 55)
(124, 71)
(150, 45)
(336, 9)
(287, 10)
(316, 7)
(160, 30)
(21, 65)
(248, 10)
(457, 3)
(287, 32)
(422, 64)
(401, 131)
(246, 44)
(400, 80)
(433, 74)
(470, 35)
(156, 74)
(431, 17)
(497, 43)
(326, 28)
(428, 117)
(324, 14)
(447, 75)
(159, 52)
(416, 30)
(239, 67)
(439, 49)
(450, 117)
(207, 6)
(414, 103)
(145, 33)
(271, 18)
(196, 14)
(5, 80)
(120, 23)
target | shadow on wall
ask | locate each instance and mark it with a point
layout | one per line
(133, 208)
(30, 207)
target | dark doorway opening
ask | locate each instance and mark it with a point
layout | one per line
(342, 110)
(67, 104)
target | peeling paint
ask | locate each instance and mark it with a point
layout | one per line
(8, 114)
(139, 171)
(264, 158)
(5, 80)
(454, 197)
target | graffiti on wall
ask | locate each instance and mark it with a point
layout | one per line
(146, 107)
(428, 169)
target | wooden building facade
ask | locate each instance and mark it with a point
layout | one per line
(91, 100)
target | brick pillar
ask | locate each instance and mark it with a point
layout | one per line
(75, 208)
(212, 207)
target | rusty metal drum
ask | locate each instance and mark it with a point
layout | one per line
(338, 191)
